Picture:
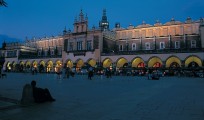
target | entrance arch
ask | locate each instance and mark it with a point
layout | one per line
(58, 66)
(42, 66)
(107, 62)
(173, 62)
(79, 65)
(122, 62)
(92, 62)
(138, 62)
(155, 62)
(49, 66)
(69, 64)
(28, 64)
(193, 61)
(35, 64)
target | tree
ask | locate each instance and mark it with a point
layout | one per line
(3, 3)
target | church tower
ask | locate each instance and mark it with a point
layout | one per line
(81, 24)
(104, 24)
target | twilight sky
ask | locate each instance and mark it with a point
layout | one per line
(40, 18)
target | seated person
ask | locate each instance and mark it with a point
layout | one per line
(41, 95)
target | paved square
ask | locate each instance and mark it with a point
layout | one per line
(116, 98)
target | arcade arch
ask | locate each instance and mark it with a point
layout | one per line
(107, 63)
(79, 64)
(193, 61)
(122, 62)
(92, 62)
(155, 62)
(137, 63)
(49, 66)
(173, 62)
(69, 64)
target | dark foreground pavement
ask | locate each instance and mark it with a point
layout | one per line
(117, 98)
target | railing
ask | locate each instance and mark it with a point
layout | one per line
(164, 51)
(39, 57)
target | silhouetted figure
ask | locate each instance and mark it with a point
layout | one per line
(41, 95)
(90, 73)
(67, 72)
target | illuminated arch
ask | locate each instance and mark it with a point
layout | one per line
(92, 62)
(171, 61)
(8, 66)
(79, 63)
(154, 62)
(107, 62)
(28, 64)
(121, 62)
(58, 66)
(42, 63)
(49, 66)
(192, 59)
(21, 63)
(69, 64)
(35, 64)
(58, 63)
(138, 62)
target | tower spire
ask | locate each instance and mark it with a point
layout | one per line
(104, 24)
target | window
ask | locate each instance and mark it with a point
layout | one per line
(82, 28)
(39, 53)
(88, 47)
(177, 44)
(77, 29)
(162, 45)
(133, 46)
(193, 44)
(79, 45)
(71, 46)
(147, 46)
(120, 47)
(52, 52)
(45, 53)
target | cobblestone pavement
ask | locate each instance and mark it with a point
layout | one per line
(116, 98)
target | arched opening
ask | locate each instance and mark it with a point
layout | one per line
(58, 67)
(49, 66)
(193, 62)
(155, 62)
(107, 63)
(79, 65)
(69, 64)
(92, 62)
(28, 65)
(42, 66)
(122, 66)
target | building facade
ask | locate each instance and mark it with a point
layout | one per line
(171, 45)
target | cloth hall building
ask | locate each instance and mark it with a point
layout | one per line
(171, 45)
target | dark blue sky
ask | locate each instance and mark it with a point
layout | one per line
(39, 18)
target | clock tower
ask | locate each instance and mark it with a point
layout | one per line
(104, 24)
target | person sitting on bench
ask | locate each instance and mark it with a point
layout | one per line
(41, 95)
